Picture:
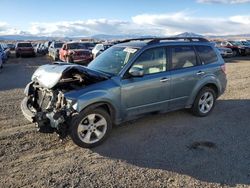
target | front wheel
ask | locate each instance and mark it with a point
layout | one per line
(91, 127)
(204, 102)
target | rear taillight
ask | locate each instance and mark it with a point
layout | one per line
(223, 68)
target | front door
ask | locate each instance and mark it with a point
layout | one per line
(150, 92)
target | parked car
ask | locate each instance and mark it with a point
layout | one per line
(46, 46)
(99, 48)
(86, 102)
(1, 61)
(237, 47)
(40, 49)
(225, 52)
(3, 54)
(75, 52)
(5, 49)
(54, 50)
(11, 46)
(246, 43)
(24, 49)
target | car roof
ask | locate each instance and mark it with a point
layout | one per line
(141, 44)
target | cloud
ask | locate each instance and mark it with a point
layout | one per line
(6, 29)
(223, 1)
(78, 28)
(182, 21)
(143, 24)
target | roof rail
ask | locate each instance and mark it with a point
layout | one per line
(136, 39)
(153, 40)
(189, 39)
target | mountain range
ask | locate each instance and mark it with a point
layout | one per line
(113, 37)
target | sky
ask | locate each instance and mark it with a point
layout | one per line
(62, 18)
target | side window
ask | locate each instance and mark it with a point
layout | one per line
(206, 54)
(152, 61)
(183, 57)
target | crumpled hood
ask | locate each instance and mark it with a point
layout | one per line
(49, 75)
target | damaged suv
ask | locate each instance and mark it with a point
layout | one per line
(130, 79)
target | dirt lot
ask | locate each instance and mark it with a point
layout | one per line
(155, 151)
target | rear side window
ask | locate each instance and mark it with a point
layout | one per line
(207, 54)
(183, 57)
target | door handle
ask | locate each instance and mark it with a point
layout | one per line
(200, 73)
(164, 80)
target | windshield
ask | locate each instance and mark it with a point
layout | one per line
(24, 45)
(112, 60)
(236, 43)
(72, 46)
(58, 45)
(246, 43)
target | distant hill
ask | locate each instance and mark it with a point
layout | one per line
(188, 34)
(113, 37)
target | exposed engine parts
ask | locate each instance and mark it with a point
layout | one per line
(46, 105)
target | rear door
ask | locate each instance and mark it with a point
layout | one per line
(185, 73)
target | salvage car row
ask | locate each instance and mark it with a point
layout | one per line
(85, 51)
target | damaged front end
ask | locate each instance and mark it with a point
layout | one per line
(45, 104)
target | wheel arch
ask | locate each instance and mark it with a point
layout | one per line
(211, 84)
(104, 105)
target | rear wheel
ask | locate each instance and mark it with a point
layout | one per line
(17, 55)
(204, 102)
(91, 127)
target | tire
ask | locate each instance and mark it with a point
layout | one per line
(17, 55)
(88, 124)
(204, 102)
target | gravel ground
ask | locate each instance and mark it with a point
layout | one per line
(164, 150)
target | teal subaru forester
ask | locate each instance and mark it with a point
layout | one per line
(130, 79)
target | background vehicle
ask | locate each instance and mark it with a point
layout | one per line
(54, 50)
(3, 54)
(87, 101)
(1, 61)
(237, 47)
(46, 46)
(75, 52)
(6, 49)
(225, 52)
(99, 48)
(11, 46)
(246, 43)
(24, 49)
(40, 49)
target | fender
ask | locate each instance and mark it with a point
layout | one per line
(99, 97)
(209, 79)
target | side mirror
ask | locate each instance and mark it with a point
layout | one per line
(136, 72)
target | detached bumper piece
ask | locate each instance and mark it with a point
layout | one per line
(28, 114)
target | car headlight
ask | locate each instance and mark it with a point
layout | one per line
(71, 103)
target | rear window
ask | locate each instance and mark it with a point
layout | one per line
(183, 57)
(207, 54)
(24, 45)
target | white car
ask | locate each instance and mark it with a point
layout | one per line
(99, 48)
